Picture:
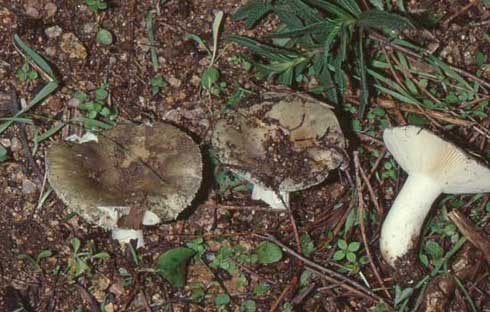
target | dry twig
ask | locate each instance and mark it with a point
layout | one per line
(328, 274)
(359, 172)
(476, 236)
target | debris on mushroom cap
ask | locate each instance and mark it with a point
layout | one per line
(284, 143)
(434, 166)
(419, 151)
(158, 169)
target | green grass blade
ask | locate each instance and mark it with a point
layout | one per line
(45, 92)
(151, 37)
(270, 52)
(351, 6)
(325, 26)
(384, 20)
(253, 12)
(50, 132)
(216, 25)
(363, 101)
(38, 59)
(332, 8)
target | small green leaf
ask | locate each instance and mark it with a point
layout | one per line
(434, 249)
(32, 75)
(342, 244)
(198, 291)
(354, 246)
(3, 153)
(172, 265)
(480, 58)
(44, 254)
(424, 259)
(339, 255)
(351, 257)
(261, 289)
(222, 299)
(104, 36)
(76, 245)
(307, 245)
(269, 252)
(248, 306)
(101, 255)
(209, 77)
(101, 94)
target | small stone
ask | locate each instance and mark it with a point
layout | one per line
(28, 187)
(53, 31)
(109, 307)
(88, 28)
(174, 82)
(72, 46)
(50, 9)
(15, 146)
(196, 80)
(32, 12)
(73, 102)
(5, 142)
(50, 51)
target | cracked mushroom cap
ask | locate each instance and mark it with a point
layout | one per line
(419, 151)
(158, 169)
(285, 142)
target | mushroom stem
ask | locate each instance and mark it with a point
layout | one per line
(402, 226)
(270, 197)
(126, 235)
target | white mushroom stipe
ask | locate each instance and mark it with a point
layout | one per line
(402, 226)
(270, 197)
(150, 218)
(124, 236)
(434, 166)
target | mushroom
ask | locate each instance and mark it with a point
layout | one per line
(134, 175)
(434, 166)
(282, 144)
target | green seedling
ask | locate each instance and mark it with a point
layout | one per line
(26, 73)
(80, 262)
(157, 84)
(36, 262)
(96, 5)
(338, 27)
(104, 37)
(348, 251)
(95, 107)
(211, 75)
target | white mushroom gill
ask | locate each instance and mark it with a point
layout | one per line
(276, 200)
(434, 166)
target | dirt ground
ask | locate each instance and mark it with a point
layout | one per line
(64, 33)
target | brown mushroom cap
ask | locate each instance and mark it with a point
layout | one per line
(156, 168)
(285, 142)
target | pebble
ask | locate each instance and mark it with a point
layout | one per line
(53, 31)
(5, 142)
(174, 82)
(15, 145)
(72, 46)
(50, 51)
(88, 28)
(28, 187)
(32, 12)
(50, 9)
(73, 102)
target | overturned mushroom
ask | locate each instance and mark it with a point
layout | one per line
(134, 175)
(434, 166)
(285, 143)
